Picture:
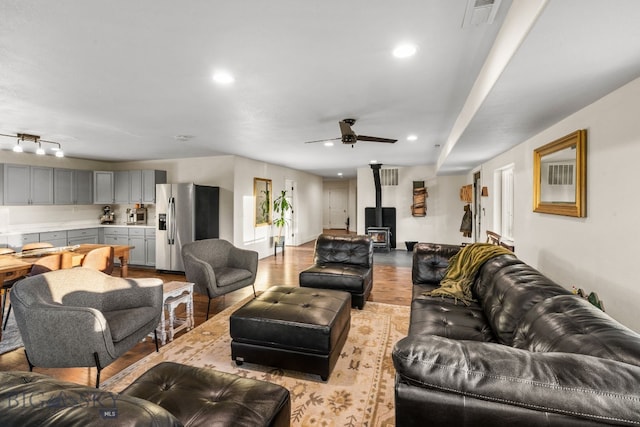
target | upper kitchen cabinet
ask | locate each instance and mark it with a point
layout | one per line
(28, 185)
(122, 187)
(133, 186)
(102, 187)
(143, 185)
(72, 187)
(149, 180)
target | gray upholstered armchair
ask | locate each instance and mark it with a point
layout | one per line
(83, 317)
(216, 267)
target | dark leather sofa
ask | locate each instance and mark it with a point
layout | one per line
(343, 263)
(527, 352)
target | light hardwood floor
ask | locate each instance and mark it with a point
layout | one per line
(392, 285)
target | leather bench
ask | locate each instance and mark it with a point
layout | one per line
(167, 395)
(200, 396)
(302, 329)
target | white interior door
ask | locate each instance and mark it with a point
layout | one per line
(291, 229)
(337, 208)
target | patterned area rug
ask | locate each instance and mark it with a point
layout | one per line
(359, 392)
(11, 338)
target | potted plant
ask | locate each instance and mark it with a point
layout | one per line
(280, 208)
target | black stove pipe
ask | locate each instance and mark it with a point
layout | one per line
(376, 180)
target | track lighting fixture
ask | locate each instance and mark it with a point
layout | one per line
(22, 137)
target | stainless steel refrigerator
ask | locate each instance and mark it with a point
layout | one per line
(184, 213)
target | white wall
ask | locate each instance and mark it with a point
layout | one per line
(307, 204)
(596, 253)
(444, 208)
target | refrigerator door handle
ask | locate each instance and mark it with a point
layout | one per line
(171, 221)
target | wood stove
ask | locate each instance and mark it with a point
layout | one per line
(381, 237)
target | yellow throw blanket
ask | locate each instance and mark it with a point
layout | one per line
(462, 269)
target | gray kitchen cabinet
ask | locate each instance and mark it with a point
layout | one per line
(135, 186)
(83, 187)
(150, 246)
(137, 253)
(103, 187)
(63, 186)
(149, 180)
(83, 235)
(17, 241)
(121, 187)
(28, 185)
(56, 238)
(143, 185)
(116, 236)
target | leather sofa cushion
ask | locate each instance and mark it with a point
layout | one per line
(430, 260)
(571, 384)
(570, 324)
(204, 397)
(345, 277)
(357, 250)
(507, 289)
(443, 317)
(301, 319)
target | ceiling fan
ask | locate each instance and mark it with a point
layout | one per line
(350, 137)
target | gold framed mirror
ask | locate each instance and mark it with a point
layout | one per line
(560, 176)
(262, 200)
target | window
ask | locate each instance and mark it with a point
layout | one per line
(503, 207)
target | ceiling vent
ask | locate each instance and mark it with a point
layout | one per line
(389, 176)
(480, 12)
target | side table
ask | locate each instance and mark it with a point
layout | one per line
(174, 294)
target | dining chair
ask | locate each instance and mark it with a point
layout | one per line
(36, 245)
(6, 251)
(42, 265)
(99, 259)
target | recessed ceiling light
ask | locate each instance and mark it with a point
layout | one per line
(223, 77)
(183, 138)
(328, 144)
(339, 173)
(405, 50)
(412, 137)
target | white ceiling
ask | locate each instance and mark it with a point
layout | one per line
(119, 80)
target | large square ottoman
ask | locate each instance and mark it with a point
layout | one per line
(302, 329)
(204, 397)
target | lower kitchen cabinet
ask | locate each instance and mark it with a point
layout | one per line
(84, 235)
(56, 238)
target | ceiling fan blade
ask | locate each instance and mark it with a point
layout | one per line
(345, 129)
(323, 140)
(375, 139)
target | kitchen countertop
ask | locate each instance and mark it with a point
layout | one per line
(43, 228)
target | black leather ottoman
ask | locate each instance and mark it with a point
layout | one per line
(204, 397)
(302, 329)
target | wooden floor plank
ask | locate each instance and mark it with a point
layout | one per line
(392, 285)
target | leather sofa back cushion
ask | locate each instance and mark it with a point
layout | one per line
(569, 324)
(430, 261)
(507, 289)
(356, 250)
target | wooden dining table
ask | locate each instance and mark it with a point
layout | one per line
(15, 266)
